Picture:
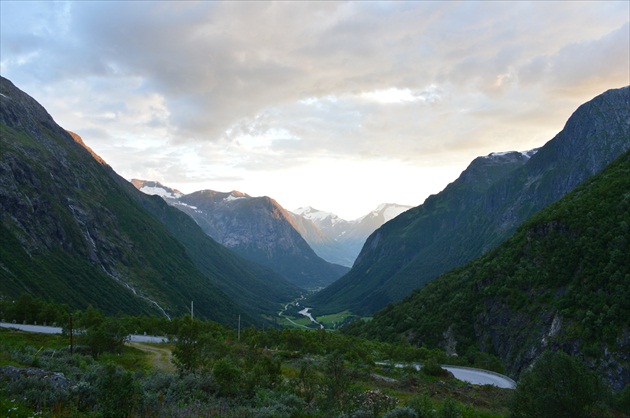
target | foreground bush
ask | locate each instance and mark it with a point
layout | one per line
(557, 385)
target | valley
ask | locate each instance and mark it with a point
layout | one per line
(523, 258)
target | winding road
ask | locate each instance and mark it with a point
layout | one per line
(465, 374)
(470, 375)
(41, 329)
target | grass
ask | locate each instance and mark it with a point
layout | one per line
(403, 384)
(332, 321)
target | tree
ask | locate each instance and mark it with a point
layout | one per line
(337, 379)
(187, 354)
(557, 385)
(107, 336)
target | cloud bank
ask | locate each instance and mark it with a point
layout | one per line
(270, 96)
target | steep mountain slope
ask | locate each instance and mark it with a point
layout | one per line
(562, 282)
(336, 239)
(257, 228)
(480, 209)
(75, 232)
(256, 288)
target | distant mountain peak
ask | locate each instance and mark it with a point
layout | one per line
(156, 188)
(526, 154)
(311, 213)
(388, 211)
(235, 194)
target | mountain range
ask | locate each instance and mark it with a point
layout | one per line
(481, 209)
(525, 251)
(75, 232)
(299, 245)
(257, 228)
(336, 239)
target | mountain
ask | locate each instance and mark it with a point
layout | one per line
(337, 240)
(257, 228)
(561, 282)
(75, 232)
(156, 188)
(480, 209)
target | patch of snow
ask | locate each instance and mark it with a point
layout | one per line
(394, 210)
(317, 215)
(232, 197)
(529, 153)
(499, 154)
(187, 205)
(159, 191)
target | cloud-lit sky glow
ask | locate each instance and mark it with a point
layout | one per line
(341, 106)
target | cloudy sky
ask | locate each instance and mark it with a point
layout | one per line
(341, 106)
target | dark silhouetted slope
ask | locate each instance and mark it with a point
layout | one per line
(480, 209)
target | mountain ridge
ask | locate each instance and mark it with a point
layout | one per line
(559, 283)
(75, 232)
(258, 229)
(480, 209)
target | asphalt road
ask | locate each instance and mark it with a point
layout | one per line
(472, 376)
(57, 330)
(481, 377)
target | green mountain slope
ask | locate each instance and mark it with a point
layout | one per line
(480, 209)
(562, 282)
(253, 286)
(260, 230)
(73, 231)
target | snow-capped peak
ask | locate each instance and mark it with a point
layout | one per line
(387, 210)
(235, 195)
(156, 188)
(313, 214)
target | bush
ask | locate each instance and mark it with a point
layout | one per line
(422, 406)
(401, 413)
(432, 368)
(557, 385)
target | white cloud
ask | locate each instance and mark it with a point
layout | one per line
(196, 91)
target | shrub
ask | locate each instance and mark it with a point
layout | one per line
(432, 368)
(422, 406)
(401, 413)
(557, 385)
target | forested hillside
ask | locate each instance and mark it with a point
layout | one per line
(562, 282)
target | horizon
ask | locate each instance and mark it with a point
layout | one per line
(338, 106)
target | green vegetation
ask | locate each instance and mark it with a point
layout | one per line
(480, 210)
(558, 386)
(272, 373)
(561, 282)
(337, 320)
(75, 232)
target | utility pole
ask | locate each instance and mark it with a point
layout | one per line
(239, 327)
(192, 310)
(70, 333)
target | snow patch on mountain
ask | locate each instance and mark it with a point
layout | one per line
(160, 191)
(233, 197)
(317, 215)
(526, 154)
(390, 210)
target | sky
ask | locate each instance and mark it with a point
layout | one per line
(337, 105)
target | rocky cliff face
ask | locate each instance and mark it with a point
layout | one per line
(482, 208)
(258, 229)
